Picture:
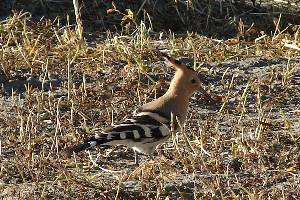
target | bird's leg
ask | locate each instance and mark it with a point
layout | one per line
(151, 156)
(136, 157)
(110, 151)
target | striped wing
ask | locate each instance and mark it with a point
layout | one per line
(143, 132)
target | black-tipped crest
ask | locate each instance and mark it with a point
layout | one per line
(177, 62)
(189, 67)
(174, 61)
(165, 55)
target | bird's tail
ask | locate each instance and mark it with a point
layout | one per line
(91, 142)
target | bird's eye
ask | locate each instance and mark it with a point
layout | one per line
(193, 81)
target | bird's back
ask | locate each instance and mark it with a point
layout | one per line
(143, 132)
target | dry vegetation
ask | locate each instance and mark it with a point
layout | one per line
(57, 87)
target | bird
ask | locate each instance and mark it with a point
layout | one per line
(152, 123)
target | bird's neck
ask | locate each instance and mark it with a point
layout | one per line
(178, 105)
(180, 95)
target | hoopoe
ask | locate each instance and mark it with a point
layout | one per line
(151, 124)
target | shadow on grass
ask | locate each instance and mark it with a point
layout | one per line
(210, 18)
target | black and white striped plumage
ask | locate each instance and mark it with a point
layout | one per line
(142, 132)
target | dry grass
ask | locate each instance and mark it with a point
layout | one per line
(246, 148)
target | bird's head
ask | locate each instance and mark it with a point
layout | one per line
(186, 80)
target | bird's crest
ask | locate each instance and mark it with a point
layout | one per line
(175, 63)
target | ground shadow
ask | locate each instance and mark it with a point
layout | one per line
(219, 19)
